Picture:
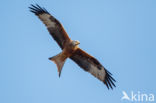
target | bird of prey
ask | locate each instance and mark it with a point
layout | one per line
(70, 49)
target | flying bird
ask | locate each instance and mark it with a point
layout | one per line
(70, 49)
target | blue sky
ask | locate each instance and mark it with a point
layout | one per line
(121, 34)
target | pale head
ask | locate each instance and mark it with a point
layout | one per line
(75, 43)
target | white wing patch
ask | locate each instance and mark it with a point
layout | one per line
(84, 60)
(100, 74)
(46, 20)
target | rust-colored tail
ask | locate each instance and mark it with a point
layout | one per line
(59, 60)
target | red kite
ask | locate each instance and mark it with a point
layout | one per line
(70, 49)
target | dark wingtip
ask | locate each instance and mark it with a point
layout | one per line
(50, 58)
(36, 9)
(109, 80)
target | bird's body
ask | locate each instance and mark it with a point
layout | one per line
(67, 52)
(70, 49)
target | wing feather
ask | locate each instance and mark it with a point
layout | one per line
(54, 27)
(91, 65)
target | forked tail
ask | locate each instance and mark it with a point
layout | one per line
(59, 60)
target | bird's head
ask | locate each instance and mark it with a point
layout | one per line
(75, 43)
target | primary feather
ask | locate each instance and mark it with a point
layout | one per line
(83, 59)
(54, 27)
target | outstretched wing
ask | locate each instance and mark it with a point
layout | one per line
(91, 65)
(54, 27)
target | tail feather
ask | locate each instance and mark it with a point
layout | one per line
(59, 60)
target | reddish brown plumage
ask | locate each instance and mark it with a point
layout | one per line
(70, 49)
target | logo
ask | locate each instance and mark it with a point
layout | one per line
(137, 96)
